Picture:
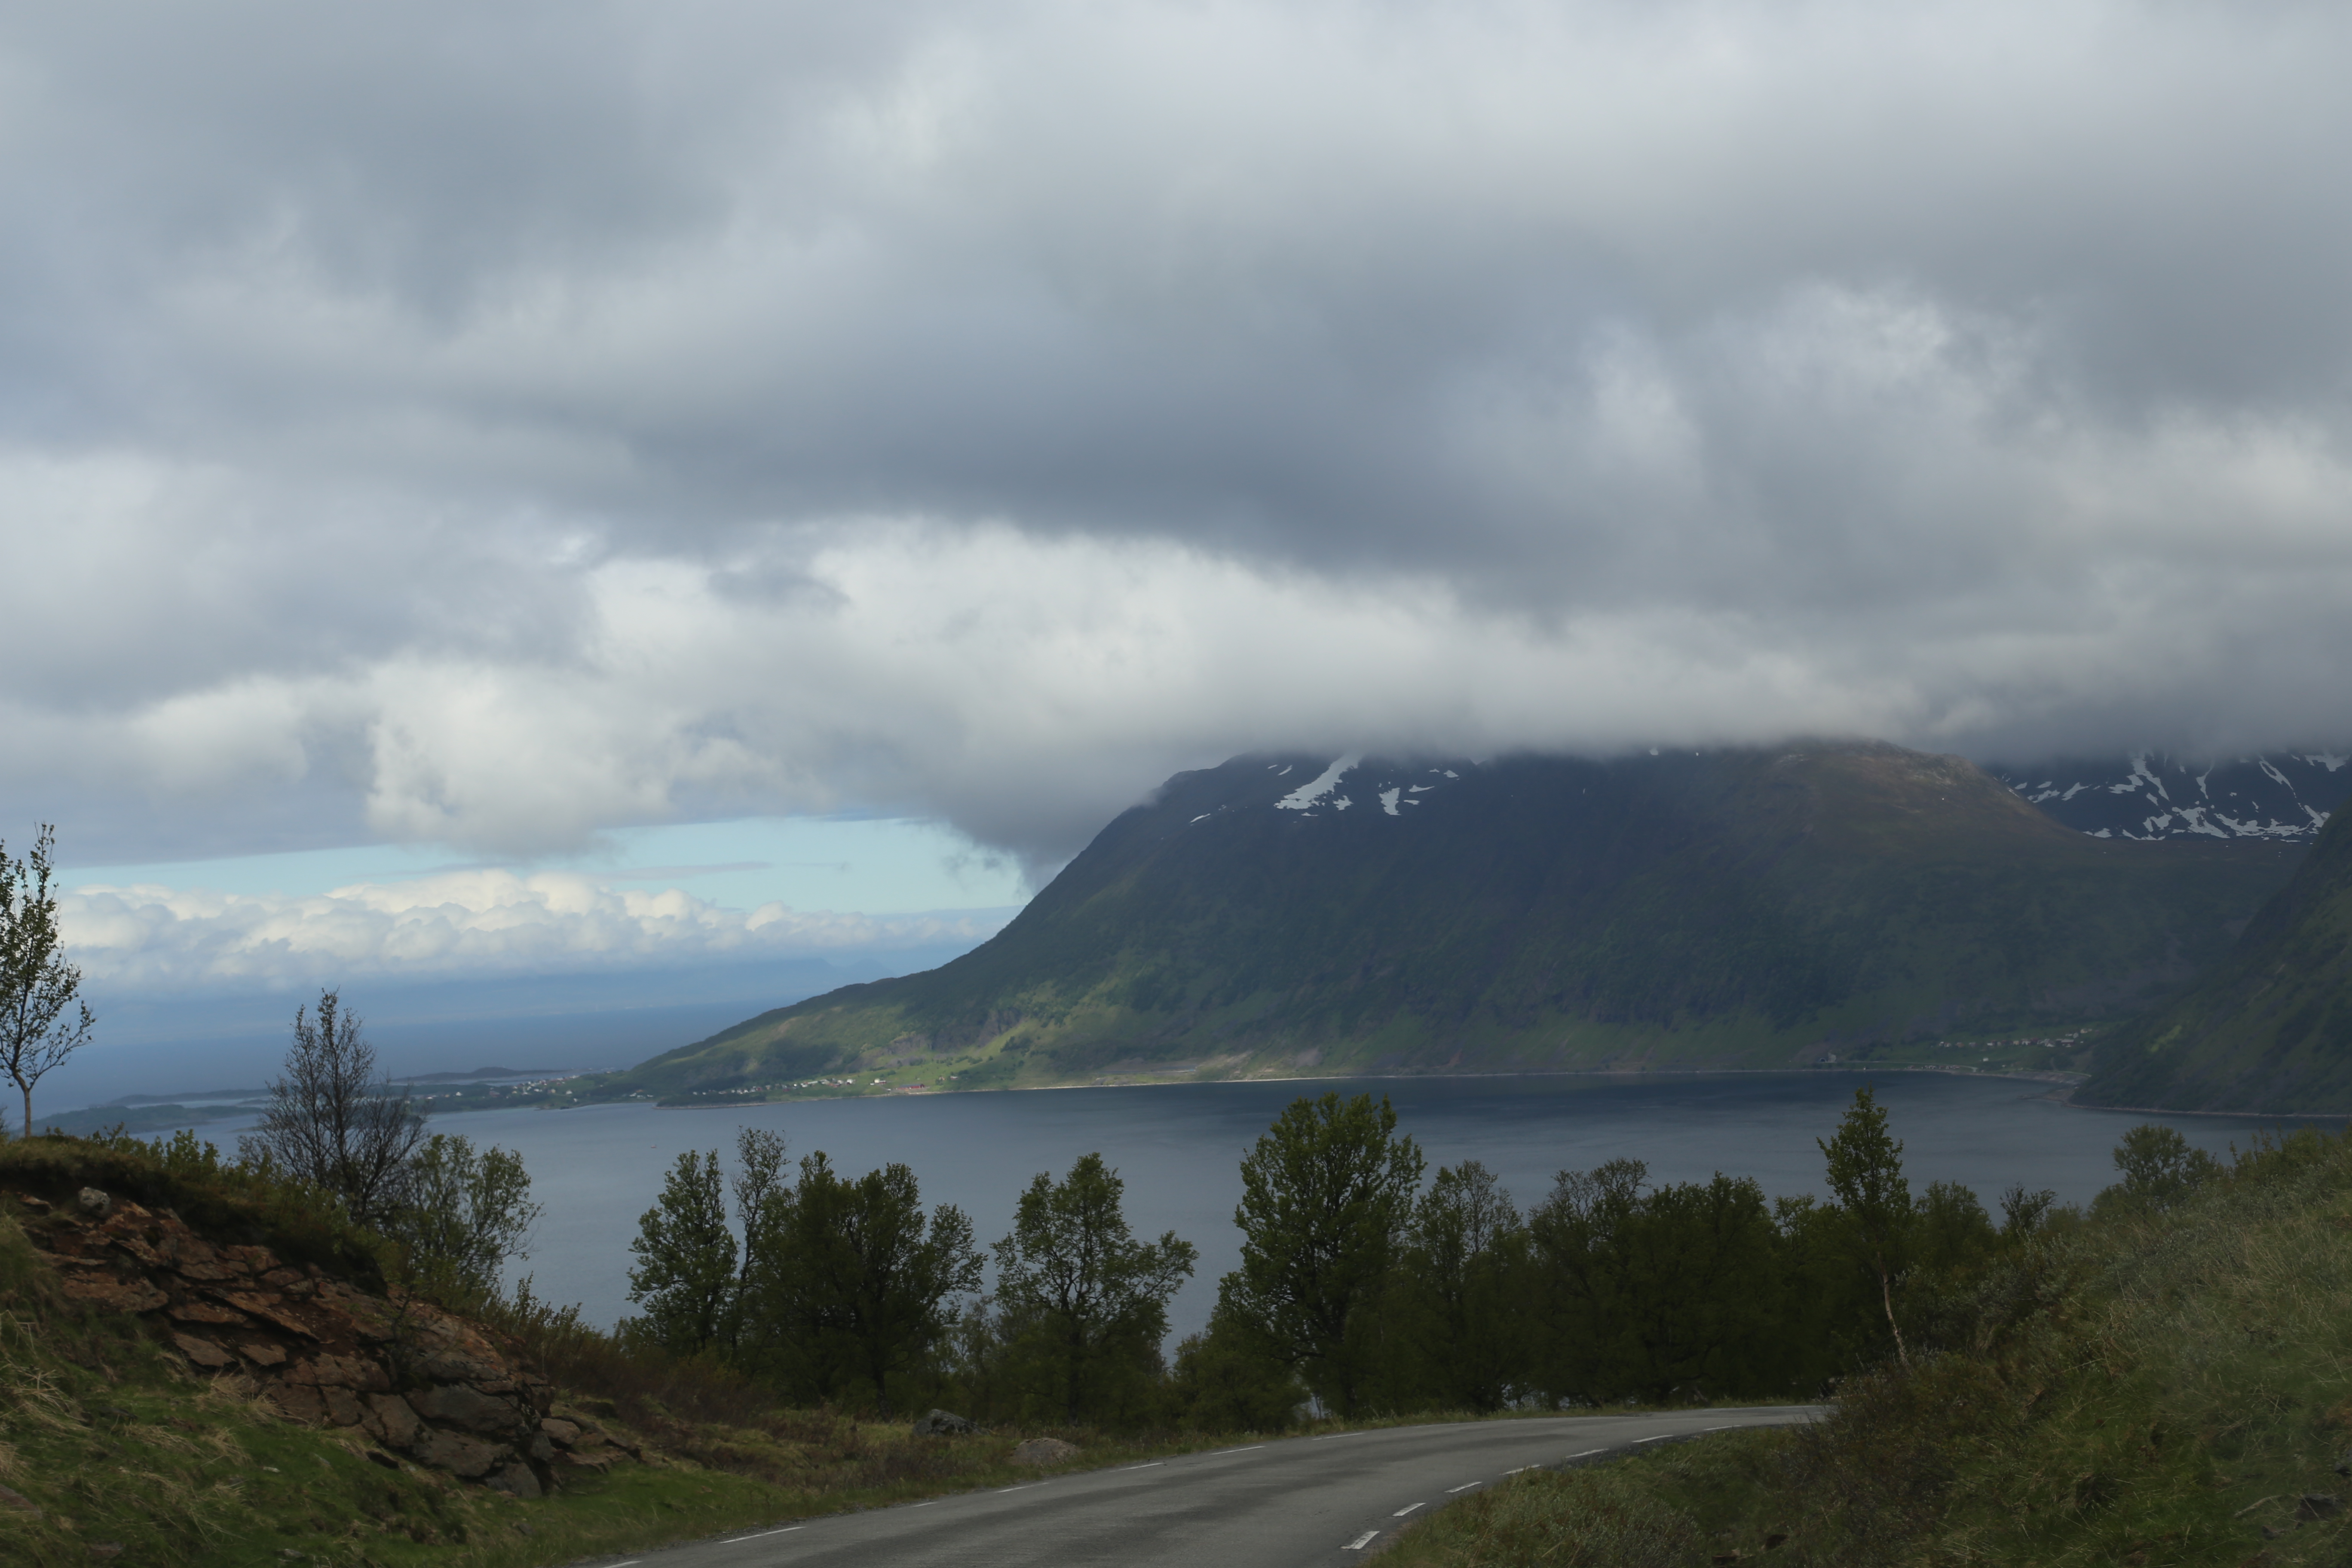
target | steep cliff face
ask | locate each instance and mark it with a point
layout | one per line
(2270, 1029)
(424, 1384)
(1744, 908)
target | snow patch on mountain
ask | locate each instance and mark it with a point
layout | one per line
(2149, 794)
(1312, 791)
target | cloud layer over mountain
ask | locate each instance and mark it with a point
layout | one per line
(492, 425)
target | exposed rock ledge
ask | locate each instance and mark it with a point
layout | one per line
(421, 1382)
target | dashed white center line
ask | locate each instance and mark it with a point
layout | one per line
(1463, 1487)
(1024, 1487)
(1153, 1466)
(1520, 1470)
(1362, 1542)
(1252, 1448)
(1588, 1453)
(1659, 1438)
(761, 1536)
(1407, 1509)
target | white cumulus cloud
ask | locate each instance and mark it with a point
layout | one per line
(453, 926)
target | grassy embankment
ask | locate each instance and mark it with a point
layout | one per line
(2145, 1390)
(112, 1447)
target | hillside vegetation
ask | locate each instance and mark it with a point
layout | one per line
(124, 1435)
(2168, 1381)
(1750, 909)
(2270, 1029)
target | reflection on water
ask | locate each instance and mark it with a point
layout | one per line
(1180, 1148)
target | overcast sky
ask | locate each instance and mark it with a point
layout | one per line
(489, 427)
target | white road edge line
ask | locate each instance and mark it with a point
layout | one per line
(1361, 1542)
(1659, 1438)
(761, 1536)
(1588, 1453)
(1152, 1466)
(1407, 1509)
(1462, 1488)
(1024, 1487)
(1253, 1448)
(1521, 1470)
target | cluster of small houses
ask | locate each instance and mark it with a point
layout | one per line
(2056, 1042)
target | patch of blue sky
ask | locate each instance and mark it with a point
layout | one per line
(852, 865)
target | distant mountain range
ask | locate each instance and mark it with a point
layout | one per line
(1311, 914)
(2285, 795)
(2270, 1028)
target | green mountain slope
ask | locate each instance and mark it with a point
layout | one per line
(1732, 907)
(2271, 1028)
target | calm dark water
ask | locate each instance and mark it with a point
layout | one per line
(1180, 1148)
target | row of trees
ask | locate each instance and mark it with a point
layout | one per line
(1359, 1287)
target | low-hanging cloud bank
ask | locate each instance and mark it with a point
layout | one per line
(456, 926)
(492, 427)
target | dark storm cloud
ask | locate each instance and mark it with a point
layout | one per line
(495, 424)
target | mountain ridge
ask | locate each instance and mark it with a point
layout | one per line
(1760, 907)
(2270, 1028)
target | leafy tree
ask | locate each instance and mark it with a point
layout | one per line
(1324, 1192)
(1577, 1273)
(852, 1282)
(2022, 1211)
(1227, 1380)
(36, 984)
(1091, 1293)
(759, 1185)
(333, 1121)
(1654, 1292)
(463, 1214)
(2160, 1169)
(1462, 1257)
(1699, 1289)
(1952, 1234)
(685, 1273)
(1865, 1175)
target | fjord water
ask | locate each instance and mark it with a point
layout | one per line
(1180, 1148)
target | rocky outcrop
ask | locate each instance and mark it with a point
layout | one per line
(419, 1381)
(943, 1423)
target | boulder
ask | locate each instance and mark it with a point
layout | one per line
(454, 1404)
(942, 1424)
(340, 1371)
(94, 1203)
(1044, 1451)
(399, 1423)
(205, 1312)
(261, 1353)
(516, 1480)
(299, 1402)
(466, 1456)
(203, 1353)
(564, 1433)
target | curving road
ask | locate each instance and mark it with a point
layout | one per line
(1301, 1502)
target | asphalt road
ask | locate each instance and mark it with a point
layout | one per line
(1302, 1502)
